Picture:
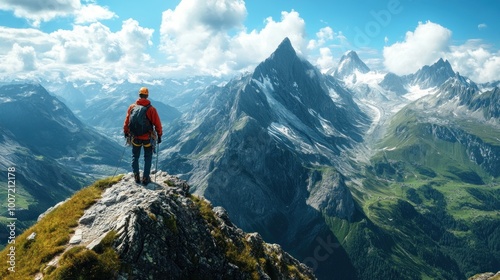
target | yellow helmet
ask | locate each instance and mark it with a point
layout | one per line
(144, 91)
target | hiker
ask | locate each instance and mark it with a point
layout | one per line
(138, 129)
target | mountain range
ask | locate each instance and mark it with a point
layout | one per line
(102, 106)
(286, 148)
(358, 174)
(53, 152)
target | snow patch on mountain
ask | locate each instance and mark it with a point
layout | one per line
(286, 120)
(415, 92)
(288, 135)
(334, 96)
(326, 126)
(371, 79)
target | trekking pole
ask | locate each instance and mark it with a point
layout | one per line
(157, 152)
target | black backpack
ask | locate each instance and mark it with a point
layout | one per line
(139, 123)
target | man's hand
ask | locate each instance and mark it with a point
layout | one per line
(159, 139)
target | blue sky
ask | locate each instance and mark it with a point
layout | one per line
(145, 40)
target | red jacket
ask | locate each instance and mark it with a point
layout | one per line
(151, 114)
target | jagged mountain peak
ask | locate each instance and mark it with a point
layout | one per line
(351, 55)
(440, 66)
(282, 60)
(285, 48)
(441, 62)
(349, 63)
(459, 96)
(433, 75)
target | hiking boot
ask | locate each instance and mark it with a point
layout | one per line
(146, 180)
(137, 178)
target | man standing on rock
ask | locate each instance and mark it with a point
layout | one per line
(139, 127)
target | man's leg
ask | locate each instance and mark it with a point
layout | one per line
(136, 153)
(148, 158)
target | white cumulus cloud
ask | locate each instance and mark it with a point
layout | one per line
(325, 61)
(253, 47)
(92, 13)
(38, 11)
(475, 60)
(323, 35)
(20, 58)
(92, 51)
(482, 26)
(424, 46)
(206, 37)
(209, 36)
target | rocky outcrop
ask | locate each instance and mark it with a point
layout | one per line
(330, 194)
(162, 232)
(486, 276)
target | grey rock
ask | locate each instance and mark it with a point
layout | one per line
(77, 237)
(88, 218)
(32, 236)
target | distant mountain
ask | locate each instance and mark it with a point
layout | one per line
(425, 78)
(394, 83)
(349, 64)
(434, 75)
(53, 153)
(104, 107)
(45, 125)
(176, 93)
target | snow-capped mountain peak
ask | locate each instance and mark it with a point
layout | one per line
(349, 64)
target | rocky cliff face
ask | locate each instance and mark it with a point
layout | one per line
(479, 152)
(161, 232)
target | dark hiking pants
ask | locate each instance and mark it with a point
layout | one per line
(137, 144)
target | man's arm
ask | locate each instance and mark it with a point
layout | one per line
(155, 120)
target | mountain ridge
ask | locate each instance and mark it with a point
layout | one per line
(158, 230)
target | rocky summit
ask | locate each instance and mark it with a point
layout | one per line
(160, 231)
